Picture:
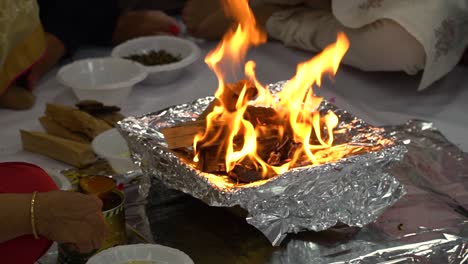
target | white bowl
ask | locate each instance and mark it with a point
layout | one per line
(161, 74)
(107, 80)
(152, 254)
(111, 146)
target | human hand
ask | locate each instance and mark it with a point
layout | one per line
(195, 12)
(144, 23)
(70, 217)
(207, 19)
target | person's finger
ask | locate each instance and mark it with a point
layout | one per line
(100, 230)
(158, 30)
(164, 22)
(174, 30)
(101, 227)
(97, 201)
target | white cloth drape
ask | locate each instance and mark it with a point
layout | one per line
(440, 26)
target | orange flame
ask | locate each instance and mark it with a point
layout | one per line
(296, 105)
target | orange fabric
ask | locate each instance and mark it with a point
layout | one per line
(18, 177)
(22, 57)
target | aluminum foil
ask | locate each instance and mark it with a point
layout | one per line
(353, 191)
(428, 225)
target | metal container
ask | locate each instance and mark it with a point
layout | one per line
(114, 215)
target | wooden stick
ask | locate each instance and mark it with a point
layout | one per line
(110, 118)
(76, 120)
(181, 136)
(71, 152)
(261, 115)
(208, 110)
(212, 160)
(58, 130)
(232, 92)
(230, 97)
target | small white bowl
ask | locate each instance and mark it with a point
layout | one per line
(111, 146)
(151, 254)
(107, 80)
(161, 74)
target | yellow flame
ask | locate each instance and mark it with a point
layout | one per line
(296, 104)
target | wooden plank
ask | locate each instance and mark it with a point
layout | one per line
(71, 152)
(212, 160)
(76, 120)
(110, 118)
(58, 130)
(181, 136)
(208, 110)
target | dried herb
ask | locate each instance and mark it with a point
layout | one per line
(94, 107)
(153, 58)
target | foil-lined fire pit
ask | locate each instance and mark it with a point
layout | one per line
(354, 190)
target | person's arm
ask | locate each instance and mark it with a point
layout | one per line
(15, 218)
(143, 23)
(212, 23)
(66, 217)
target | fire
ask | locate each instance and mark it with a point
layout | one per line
(296, 106)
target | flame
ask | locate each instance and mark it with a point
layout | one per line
(296, 105)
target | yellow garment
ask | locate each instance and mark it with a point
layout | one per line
(22, 40)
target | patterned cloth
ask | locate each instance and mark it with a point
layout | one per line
(18, 18)
(441, 26)
(21, 39)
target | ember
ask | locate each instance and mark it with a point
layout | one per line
(250, 134)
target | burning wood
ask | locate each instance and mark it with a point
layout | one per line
(246, 132)
(275, 142)
(182, 136)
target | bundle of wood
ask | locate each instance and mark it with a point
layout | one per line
(275, 144)
(70, 131)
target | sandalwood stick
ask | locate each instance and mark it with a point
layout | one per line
(71, 152)
(58, 130)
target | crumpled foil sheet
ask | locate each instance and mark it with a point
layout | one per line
(428, 225)
(353, 191)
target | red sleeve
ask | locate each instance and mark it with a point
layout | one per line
(18, 177)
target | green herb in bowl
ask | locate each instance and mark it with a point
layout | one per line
(153, 58)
